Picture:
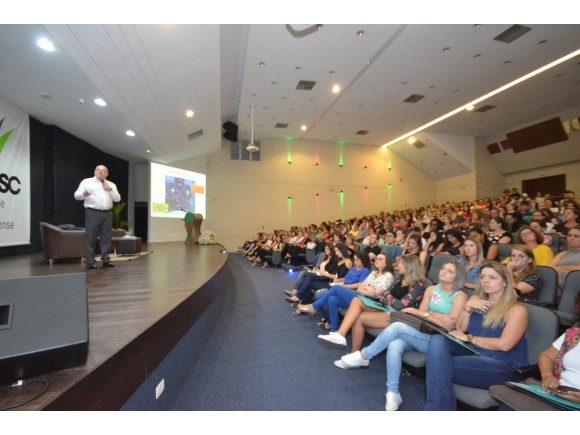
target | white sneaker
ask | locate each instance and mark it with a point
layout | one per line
(334, 340)
(355, 360)
(341, 365)
(394, 400)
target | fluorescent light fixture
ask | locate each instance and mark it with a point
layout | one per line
(100, 102)
(45, 44)
(486, 96)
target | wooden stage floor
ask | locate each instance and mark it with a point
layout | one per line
(137, 312)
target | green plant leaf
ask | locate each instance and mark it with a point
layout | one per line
(4, 138)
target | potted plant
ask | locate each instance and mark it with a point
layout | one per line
(118, 222)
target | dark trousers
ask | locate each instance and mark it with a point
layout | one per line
(98, 224)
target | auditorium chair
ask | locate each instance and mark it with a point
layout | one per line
(59, 244)
(542, 330)
(547, 296)
(566, 308)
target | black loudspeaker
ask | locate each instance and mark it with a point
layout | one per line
(231, 131)
(44, 325)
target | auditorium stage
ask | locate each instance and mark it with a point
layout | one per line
(138, 311)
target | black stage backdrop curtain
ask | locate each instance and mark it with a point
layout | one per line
(58, 163)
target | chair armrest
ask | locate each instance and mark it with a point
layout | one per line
(531, 371)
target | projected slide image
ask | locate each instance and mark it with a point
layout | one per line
(174, 192)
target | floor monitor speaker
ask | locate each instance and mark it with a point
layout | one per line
(44, 325)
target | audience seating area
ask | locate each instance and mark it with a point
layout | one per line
(548, 317)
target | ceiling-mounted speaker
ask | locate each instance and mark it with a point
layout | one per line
(230, 131)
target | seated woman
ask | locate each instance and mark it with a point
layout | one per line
(569, 220)
(567, 261)
(435, 243)
(413, 246)
(295, 248)
(495, 325)
(379, 280)
(441, 303)
(353, 279)
(406, 291)
(490, 250)
(263, 243)
(499, 231)
(277, 246)
(471, 259)
(558, 368)
(522, 269)
(542, 254)
(453, 242)
(541, 227)
(332, 267)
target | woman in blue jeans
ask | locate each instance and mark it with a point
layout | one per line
(442, 304)
(379, 280)
(495, 325)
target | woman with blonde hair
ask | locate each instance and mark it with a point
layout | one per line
(495, 325)
(442, 304)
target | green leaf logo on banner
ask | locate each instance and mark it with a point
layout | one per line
(4, 138)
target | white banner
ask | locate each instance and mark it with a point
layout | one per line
(14, 176)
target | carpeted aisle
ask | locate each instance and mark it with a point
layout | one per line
(260, 357)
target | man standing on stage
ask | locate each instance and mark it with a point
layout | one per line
(98, 195)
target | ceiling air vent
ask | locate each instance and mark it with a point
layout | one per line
(362, 132)
(513, 33)
(484, 108)
(305, 85)
(414, 98)
(195, 134)
(418, 144)
(280, 125)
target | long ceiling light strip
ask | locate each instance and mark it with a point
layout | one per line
(486, 96)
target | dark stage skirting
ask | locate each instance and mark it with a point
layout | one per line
(138, 311)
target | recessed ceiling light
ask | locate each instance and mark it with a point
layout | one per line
(262, 64)
(81, 100)
(477, 56)
(130, 133)
(100, 102)
(446, 49)
(507, 62)
(470, 108)
(303, 128)
(543, 41)
(148, 151)
(274, 83)
(45, 44)
(45, 96)
(336, 89)
(412, 140)
(331, 73)
(189, 113)
(360, 33)
(298, 69)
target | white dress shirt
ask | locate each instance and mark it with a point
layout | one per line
(99, 199)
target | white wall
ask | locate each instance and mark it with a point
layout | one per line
(245, 197)
(454, 189)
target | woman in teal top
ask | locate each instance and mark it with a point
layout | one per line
(495, 325)
(442, 304)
